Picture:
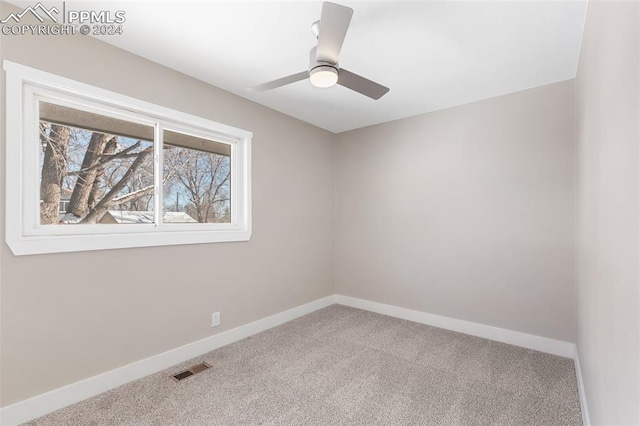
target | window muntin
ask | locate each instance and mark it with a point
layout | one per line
(34, 96)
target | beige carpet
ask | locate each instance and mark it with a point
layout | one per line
(344, 366)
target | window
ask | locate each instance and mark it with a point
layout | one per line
(89, 169)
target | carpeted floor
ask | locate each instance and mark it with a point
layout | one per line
(344, 366)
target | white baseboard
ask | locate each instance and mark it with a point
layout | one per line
(40, 405)
(529, 341)
(586, 420)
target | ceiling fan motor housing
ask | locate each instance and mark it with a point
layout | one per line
(314, 63)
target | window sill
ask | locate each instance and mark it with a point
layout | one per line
(26, 245)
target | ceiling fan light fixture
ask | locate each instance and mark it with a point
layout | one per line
(323, 76)
(323, 70)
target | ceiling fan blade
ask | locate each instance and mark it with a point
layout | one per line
(280, 82)
(334, 24)
(361, 85)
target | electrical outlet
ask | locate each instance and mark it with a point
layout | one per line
(215, 319)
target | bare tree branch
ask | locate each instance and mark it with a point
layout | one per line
(105, 158)
(131, 196)
(96, 213)
(135, 194)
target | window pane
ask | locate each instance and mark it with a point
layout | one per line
(94, 169)
(197, 179)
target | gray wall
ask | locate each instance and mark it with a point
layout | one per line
(66, 317)
(466, 212)
(608, 120)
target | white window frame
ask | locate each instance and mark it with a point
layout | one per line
(25, 86)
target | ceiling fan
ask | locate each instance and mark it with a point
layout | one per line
(324, 71)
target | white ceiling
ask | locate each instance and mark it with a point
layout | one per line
(432, 54)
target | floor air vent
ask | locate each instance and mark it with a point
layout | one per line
(191, 371)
